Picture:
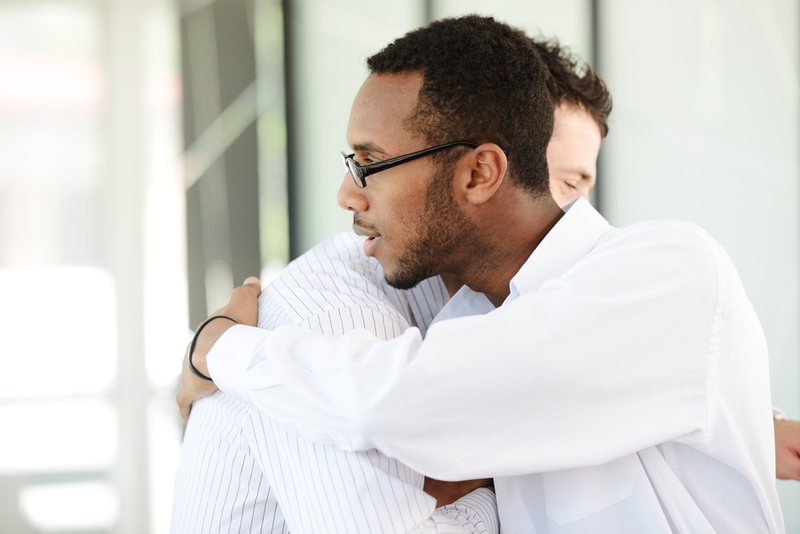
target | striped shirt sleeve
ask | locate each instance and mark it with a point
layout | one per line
(263, 478)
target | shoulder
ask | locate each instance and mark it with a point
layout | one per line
(338, 259)
(657, 257)
(679, 244)
(659, 233)
(332, 282)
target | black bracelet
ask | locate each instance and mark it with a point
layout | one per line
(192, 368)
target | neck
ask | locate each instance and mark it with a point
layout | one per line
(508, 241)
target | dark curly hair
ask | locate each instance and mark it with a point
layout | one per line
(483, 81)
(574, 82)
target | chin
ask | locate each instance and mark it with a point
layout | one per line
(402, 283)
(403, 275)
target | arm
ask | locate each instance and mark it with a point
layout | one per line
(517, 380)
(320, 488)
(323, 489)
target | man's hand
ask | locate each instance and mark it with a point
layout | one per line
(787, 449)
(243, 307)
(449, 492)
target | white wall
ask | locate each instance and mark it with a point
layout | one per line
(331, 41)
(568, 20)
(705, 129)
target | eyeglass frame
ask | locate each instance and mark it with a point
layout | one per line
(360, 172)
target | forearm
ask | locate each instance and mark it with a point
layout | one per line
(326, 490)
(368, 394)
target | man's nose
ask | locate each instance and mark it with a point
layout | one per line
(350, 196)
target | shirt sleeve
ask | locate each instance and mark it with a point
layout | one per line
(612, 357)
(323, 489)
(327, 490)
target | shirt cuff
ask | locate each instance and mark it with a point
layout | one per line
(232, 355)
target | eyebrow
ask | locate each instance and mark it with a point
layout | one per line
(368, 147)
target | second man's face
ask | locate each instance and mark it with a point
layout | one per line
(572, 154)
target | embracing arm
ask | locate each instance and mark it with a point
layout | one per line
(345, 491)
(518, 379)
(242, 308)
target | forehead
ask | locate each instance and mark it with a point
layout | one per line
(379, 111)
(571, 121)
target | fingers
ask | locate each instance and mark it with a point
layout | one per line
(788, 466)
(253, 280)
(243, 303)
(254, 284)
(787, 449)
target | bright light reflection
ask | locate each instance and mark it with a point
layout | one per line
(70, 506)
(59, 331)
(58, 436)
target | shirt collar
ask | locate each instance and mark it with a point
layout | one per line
(571, 239)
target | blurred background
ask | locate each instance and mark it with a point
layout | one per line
(154, 153)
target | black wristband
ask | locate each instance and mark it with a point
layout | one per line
(192, 368)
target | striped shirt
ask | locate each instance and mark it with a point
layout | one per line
(242, 473)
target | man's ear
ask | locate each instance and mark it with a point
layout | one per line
(486, 170)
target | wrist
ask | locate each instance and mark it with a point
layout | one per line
(206, 336)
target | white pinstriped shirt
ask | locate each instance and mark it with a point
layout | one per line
(242, 473)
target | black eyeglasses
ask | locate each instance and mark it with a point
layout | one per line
(360, 172)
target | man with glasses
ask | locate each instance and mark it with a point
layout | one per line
(224, 481)
(655, 419)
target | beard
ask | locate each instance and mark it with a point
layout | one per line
(444, 234)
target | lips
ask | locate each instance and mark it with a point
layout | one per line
(373, 238)
(371, 244)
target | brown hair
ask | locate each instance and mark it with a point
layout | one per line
(572, 81)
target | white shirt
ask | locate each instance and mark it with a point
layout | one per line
(622, 387)
(240, 472)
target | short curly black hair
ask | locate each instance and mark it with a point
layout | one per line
(483, 81)
(574, 82)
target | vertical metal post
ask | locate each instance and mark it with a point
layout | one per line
(218, 64)
(287, 6)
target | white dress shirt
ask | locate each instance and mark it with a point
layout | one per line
(240, 472)
(622, 387)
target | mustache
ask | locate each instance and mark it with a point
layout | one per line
(357, 221)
